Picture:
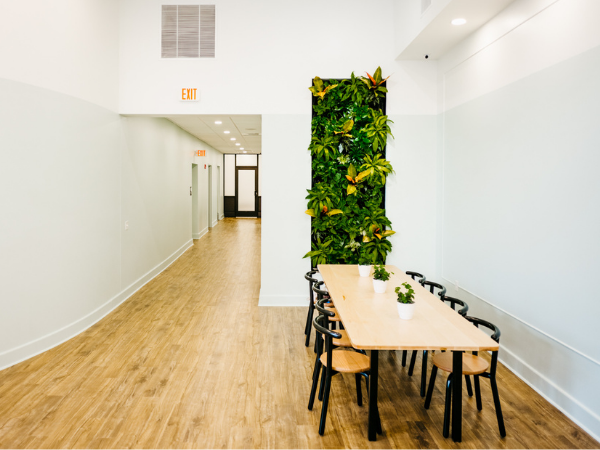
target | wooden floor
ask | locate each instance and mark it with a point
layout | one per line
(192, 361)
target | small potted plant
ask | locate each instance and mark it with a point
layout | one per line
(406, 302)
(364, 265)
(380, 278)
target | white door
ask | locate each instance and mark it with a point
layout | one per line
(246, 191)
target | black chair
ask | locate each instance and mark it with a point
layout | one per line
(472, 365)
(311, 304)
(333, 362)
(413, 358)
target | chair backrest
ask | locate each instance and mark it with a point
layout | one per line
(455, 301)
(320, 292)
(495, 336)
(309, 276)
(432, 285)
(321, 324)
(415, 274)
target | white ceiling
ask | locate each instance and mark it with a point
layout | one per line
(246, 129)
(440, 35)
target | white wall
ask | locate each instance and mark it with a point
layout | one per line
(520, 192)
(68, 46)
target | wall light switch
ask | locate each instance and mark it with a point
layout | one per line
(127, 224)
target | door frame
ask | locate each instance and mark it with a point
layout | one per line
(247, 213)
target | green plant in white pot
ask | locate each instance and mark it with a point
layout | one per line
(406, 301)
(364, 265)
(380, 278)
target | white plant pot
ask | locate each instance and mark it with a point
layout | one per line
(379, 286)
(406, 310)
(364, 271)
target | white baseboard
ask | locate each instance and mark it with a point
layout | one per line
(569, 405)
(215, 223)
(30, 349)
(221, 216)
(283, 300)
(538, 359)
(199, 235)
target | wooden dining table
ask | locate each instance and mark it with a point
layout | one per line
(372, 323)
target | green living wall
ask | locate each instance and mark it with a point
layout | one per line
(349, 136)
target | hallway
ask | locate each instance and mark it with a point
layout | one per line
(190, 361)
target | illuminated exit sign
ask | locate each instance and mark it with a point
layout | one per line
(200, 152)
(189, 95)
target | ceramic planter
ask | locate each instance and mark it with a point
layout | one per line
(364, 271)
(406, 310)
(379, 286)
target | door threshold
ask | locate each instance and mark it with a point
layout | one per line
(246, 217)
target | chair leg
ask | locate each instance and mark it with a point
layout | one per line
(358, 389)
(404, 354)
(322, 388)
(424, 373)
(313, 390)
(309, 320)
(325, 402)
(468, 383)
(413, 360)
(434, 371)
(446, 431)
(310, 306)
(477, 392)
(498, 407)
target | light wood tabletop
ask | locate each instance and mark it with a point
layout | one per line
(372, 322)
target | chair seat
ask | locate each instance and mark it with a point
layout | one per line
(335, 318)
(472, 365)
(344, 341)
(347, 361)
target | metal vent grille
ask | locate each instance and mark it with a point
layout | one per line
(188, 31)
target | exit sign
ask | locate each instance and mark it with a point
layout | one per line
(200, 152)
(189, 95)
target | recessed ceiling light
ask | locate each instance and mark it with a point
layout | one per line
(459, 21)
(232, 139)
(226, 132)
(241, 148)
(245, 151)
(218, 122)
(237, 143)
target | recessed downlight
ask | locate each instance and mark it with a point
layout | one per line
(237, 143)
(459, 21)
(232, 139)
(218, 122)
(245, 151)
(226, 132)
(241, 148)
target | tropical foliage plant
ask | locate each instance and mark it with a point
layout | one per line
(348, 143)
(379, 273)
(405, 297)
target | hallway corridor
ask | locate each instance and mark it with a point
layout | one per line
(191, 361)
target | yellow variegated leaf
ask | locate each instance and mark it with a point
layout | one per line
(378, 235)
(333, 212)
(348, 126)
(366, 238)
(363, 174)
(351, 189)
(310, 212)
(351, 171)
(388, 233)
(350, 179)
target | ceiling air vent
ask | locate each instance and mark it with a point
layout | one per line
(188, 31)
(425, 4)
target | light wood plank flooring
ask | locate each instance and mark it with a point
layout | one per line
(191, 361)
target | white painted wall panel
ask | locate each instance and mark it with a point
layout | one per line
(246, 160)
(229, 175)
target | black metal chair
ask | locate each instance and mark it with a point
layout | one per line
(472, 365)
(334, 361)
(311, 304)
(413, 358)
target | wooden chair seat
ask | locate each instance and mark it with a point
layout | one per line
(472, 365)
(344, 341)
(335, 318)
(346, 361)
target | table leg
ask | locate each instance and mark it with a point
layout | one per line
(457, 358)
(373, 412)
